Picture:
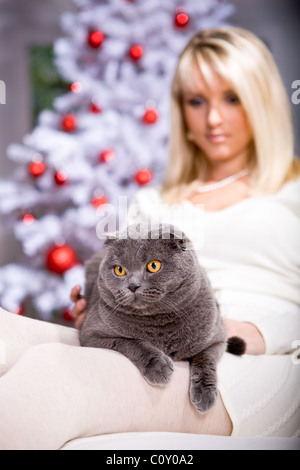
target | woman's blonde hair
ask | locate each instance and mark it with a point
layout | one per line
(245, 62)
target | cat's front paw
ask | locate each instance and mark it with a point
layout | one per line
(159, 370)
(203, 397)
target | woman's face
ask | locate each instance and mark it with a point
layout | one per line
(216, 121)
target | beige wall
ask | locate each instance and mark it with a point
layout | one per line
(277, 22)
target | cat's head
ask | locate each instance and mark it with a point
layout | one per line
(143, 267)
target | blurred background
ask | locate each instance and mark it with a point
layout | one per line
(29, 27)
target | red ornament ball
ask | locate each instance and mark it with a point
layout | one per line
(76, 87)
(95, 39)
(143, 176)
(37, 169)
(181, 19)
(60, 259)
(67, 316)
(95, 109)
(69, 123)
(60, 178)
(136, 52)
(99, 201)
(107, 156)
(151, 116)
(28, 219)
(19, 310)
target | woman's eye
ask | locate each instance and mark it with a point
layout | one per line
(195, 102)
(120, 271)
(233, 99)
(154, 266)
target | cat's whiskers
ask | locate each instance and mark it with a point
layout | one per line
(115, 308)
(122, 295)
(174, 308)
(149, 295)
(152, 293)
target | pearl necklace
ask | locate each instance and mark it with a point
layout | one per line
(224, 182)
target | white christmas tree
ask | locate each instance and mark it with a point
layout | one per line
(104, 139)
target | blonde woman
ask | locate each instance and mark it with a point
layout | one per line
(232, 167)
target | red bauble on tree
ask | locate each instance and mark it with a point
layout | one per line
(28, 219)
(60, 177)
(76, 87)
(36, 169)
(95, 39)
(143, 176)
(181, 18)
(98, 201)
(19, 310)
(67, 316)
(60, 259)
(136, 52)
(106, 156)
(151, 116)
(94, 108)
(69, 123)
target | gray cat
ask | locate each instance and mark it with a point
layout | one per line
(149, 299)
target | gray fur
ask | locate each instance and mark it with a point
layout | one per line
(173, 315)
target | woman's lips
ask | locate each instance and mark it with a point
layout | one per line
(216, 138)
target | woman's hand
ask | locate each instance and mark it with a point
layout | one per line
(78, 312)
(255, 343)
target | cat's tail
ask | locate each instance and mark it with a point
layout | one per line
(236, 345)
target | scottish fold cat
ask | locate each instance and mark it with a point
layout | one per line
(149, 299)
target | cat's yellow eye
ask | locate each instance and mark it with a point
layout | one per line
(120, 271)
(154, 266)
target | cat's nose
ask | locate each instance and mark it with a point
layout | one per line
(133, 287)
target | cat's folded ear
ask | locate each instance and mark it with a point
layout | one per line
(170, 234)
(110, 239)
(178, 242)
(174, 237)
